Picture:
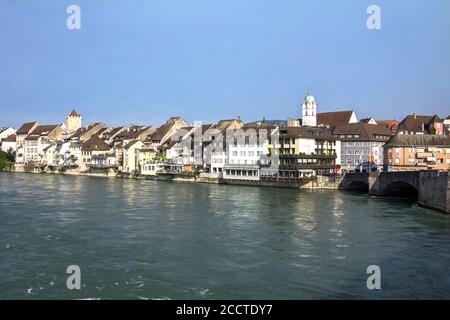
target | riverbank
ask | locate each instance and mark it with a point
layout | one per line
(319, 182)
(430, 188)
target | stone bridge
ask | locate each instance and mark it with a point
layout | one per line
(430, 188)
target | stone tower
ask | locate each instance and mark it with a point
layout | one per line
(309, 111)
(73, 121)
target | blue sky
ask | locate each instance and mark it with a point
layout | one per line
(144, 61)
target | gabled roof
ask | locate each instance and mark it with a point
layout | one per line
(365, 131)
(101, 131)
(334, 118)
(418, 140)
(95, 144)
(162, 131)
(44, 130)
(3, 129)
(223, 125)
(417, 123)
(131, 143)
(295, 132)
(83, 130)
(10, 138)
(134, 132)
(26, 127)
(168, 145)
(367, 120)
(392, 125)
(115, 131)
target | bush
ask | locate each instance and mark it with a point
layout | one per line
(5, 163)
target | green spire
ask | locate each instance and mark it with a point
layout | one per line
(309, 97)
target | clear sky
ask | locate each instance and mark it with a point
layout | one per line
(144, 61)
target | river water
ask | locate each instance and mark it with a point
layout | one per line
(135, 239)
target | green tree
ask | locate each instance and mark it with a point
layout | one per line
(5, 163)
(11, 155)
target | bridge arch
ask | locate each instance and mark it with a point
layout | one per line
(401, 189)
(358, 185)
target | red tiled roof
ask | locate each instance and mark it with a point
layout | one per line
(334, 118)
(392, 125)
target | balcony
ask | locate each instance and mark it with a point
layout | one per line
(312, 166)
(308, 156)
(101, 162)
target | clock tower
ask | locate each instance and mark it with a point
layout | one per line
(309, 111)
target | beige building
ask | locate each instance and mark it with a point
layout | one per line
(131, 156)
(415, 152)
(95, 153)
(73, 121)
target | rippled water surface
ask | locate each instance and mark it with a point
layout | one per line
(138, 239)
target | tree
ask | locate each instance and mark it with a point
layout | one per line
(11, 155)
(4, 162)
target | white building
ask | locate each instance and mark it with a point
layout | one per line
(250, 143)
(9, 144)
(5, 133)
(247, 151)
(153, 169)
(309, 111)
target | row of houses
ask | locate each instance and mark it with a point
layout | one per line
(317, 144)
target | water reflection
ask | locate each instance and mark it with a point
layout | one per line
(148, 239)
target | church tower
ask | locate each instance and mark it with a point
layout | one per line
(73, 121)
(309, 111)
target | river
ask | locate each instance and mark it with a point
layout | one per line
(142, 239)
